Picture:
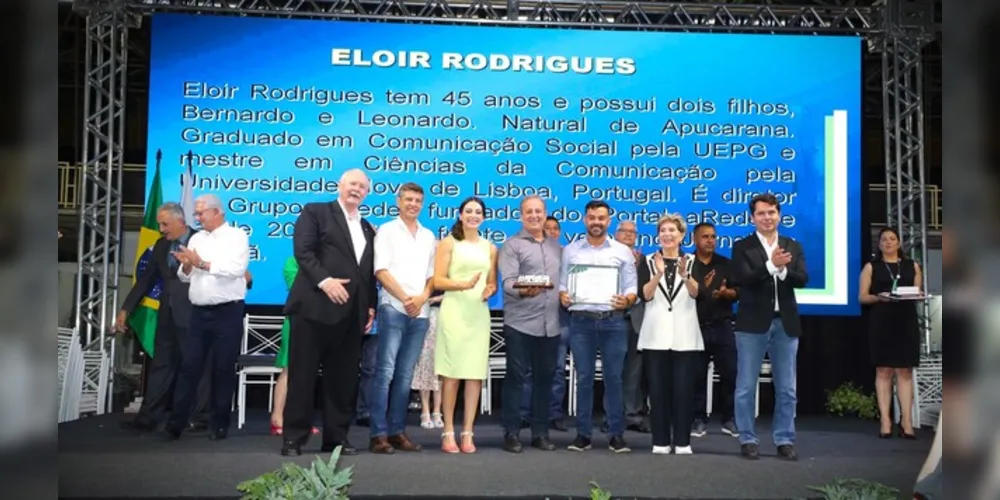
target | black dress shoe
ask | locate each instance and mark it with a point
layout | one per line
(139, 425)
(346, 449)
(558, 425)
(512, 444)
(196, 427)
(291, 449)
(173, 432)
(787, 452)
(638, 427)
(542, 443)
(218, 434)
(749, 451)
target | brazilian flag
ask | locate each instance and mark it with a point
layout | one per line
(143, 318)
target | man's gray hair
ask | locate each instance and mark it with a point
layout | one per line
(173, 208)
(211, 201)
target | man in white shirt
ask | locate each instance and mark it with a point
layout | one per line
(330, 306)
(404, 265)
(214, 262)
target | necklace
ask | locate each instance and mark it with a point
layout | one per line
(894, 275)
(671, 276)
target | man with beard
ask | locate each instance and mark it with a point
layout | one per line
(599, 327)
(330, 306)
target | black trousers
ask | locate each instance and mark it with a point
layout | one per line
(633, 381)
(670, 375)
(720, 347)
(337, 348)
(169, 345)
(215, 331)
(537, 354)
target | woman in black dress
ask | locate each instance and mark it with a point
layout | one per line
(894, 332)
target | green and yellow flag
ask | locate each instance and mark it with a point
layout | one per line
(143, 319)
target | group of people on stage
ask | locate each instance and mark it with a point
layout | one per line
(669, 307)
(651, 342)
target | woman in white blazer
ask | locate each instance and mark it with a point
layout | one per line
(670, 337)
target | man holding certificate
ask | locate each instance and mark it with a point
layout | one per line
(597, 284)
(529, 264)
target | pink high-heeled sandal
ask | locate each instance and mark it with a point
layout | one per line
(471, 448)
(445, 447)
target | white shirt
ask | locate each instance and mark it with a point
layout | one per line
(408, 257)
(666, 327)
(227, 251)
(357, 232)
(358, 240)
(771, 268)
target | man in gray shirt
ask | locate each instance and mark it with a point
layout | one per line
(531, 324)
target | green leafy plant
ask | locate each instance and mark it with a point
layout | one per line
(322, 481)
(598, 493)
(856, 489)
(849, 400)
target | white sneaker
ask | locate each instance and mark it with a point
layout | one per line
(683, 450)
(661, 450)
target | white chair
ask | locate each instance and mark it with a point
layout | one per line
(574, 381)
(255, 365)
(713, 377)
(497, 364)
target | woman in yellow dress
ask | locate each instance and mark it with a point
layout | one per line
(465, 270)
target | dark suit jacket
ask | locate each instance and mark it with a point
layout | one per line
(756, 302)
(174, 301)
(323, 249)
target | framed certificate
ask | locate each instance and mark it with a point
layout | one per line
(593, 284)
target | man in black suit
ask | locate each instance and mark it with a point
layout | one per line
(331, 305)
(767, 268)
(172, 322)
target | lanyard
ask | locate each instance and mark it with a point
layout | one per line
(894, 275)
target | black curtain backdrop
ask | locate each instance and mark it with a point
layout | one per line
(834, 349)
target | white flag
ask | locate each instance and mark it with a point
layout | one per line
(187, 195)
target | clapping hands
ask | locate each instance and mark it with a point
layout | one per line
(780, 258)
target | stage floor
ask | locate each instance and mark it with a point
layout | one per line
(97, 459)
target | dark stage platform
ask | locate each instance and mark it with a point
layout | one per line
(99, 460)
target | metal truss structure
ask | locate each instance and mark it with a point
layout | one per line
(897, 29)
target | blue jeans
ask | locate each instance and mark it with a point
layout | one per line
(782, 351)
(558, 382)
(400, 340)
(586, 336)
